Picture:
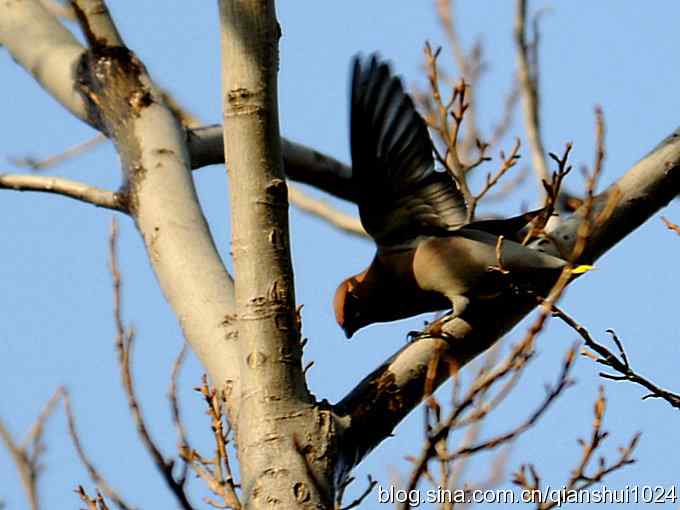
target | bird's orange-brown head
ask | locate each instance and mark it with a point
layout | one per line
(349, 311)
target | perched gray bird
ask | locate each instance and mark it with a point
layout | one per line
(427, 257)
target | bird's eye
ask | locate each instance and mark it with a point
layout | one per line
(352, 306)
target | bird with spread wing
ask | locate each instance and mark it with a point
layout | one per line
(428, 256)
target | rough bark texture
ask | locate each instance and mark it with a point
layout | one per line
(160, 196)
(52, 57)
(293, 450)
(282, 437)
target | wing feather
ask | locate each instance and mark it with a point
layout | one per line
(401, 196)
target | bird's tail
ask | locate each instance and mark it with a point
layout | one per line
(583, 268)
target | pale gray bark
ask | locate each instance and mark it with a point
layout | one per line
(292, 449)
(283, 438)
(159, 192)
(65, 187)
(53, 55)
(42, 45)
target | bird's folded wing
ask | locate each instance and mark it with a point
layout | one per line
(401, 196)
(510, 228)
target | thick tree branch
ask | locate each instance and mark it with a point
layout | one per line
(319, 170)
(388, 394)
(283, 439)
(45, 48)
(60, 186)
(52, 57)
(124, 103)
(301, 163)
(94, 17)
(116, 95)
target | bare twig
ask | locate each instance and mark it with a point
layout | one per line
(68, 153)
(585, 212)
(60, 186)
(220, 480)
(95, 475)
(552, 190)
(182, 439)
(515, 362)
(97, 503)
(124, 343)
(470, 66)
(562, 383)
(527, 476)
(491, 180)
(458, 159)
(600, 150)
(456, 107)
(622, 366)
(670, 225)
(26, 455)
(34, 437)
(509, 186)
(355, 503)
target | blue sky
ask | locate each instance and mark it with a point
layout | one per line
(55, 299)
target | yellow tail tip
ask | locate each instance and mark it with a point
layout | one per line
(583, 268)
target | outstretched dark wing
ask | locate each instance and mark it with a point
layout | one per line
(401, 196)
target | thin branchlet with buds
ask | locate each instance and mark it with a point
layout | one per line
(618, 363)
(446, 119)
(27, 453)
(581, 476)
(670, 225)
(96, 503)
(438, 429)
(371, 483)
(180, 428)
(507, 162)
(216, 472)
(470, 65)
(124, 342)
(552, 191)
(97, 478)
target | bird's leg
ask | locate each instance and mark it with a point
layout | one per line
(459, 303)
